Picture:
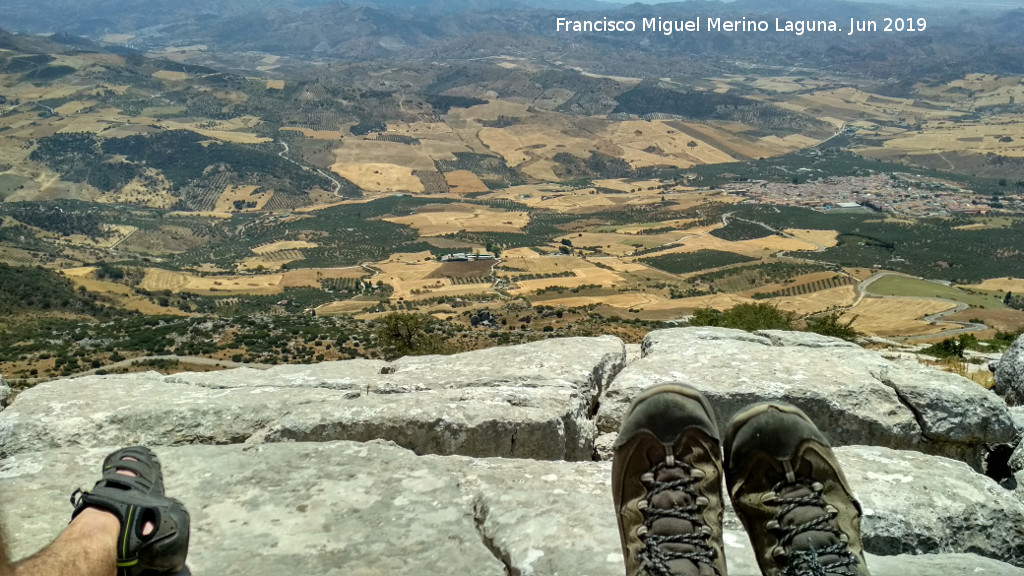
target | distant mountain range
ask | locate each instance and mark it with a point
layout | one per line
(445, 30)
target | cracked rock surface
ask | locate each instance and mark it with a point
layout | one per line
(372, 508)
(854, 395)
(1009, 374)
(481, 463)
(529, 401)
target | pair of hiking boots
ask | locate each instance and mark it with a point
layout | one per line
(785, 484)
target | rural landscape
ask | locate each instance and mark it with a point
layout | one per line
(191, 198)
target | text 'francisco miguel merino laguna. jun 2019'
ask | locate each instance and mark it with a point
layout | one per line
(743, 25)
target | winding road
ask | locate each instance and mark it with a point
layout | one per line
(284, 154)
(862, 290)
(937, 318)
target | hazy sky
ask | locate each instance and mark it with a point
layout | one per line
(944, 3)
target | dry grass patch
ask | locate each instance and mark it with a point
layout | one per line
(381, 178)
(587, 275)
(463, 217)
(316, 134)
(1015, 285)
(283, 245)
(275, 84)
(344, 307)
(464, 182)
(885, 317)
(1006, 320)
(817, 301)
(827, 238)
(170, 75)
(226, 201)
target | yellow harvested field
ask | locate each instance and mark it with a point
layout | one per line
(229, 131)
(464, 182)
(895, 316)
(80, 272)
(619, 265)
(670, 145)
(1002, 135)
(817, 301)
(316, 134)
(357, 151)
(519, 253)
(313, 276)
(728, 141)
(622, 244)
(180, 282)
(756, 248)
(169, 75)
(1015, 285)
(271, 261)
(586, 275)
(275, 84)
(716, 301)
(827, 238)
(344, 307)
(624, 301)
(122, 295)
(383, 178)
(73, 107)
(265, 284)
(232, 194)
(461, 217)
(283, 245)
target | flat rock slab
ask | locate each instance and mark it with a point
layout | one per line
(312, 508)
(854, 395)
(530, 401)
(351, 508)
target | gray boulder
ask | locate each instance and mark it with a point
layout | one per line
(529, 401)
(5, 393)
(854, 395)
(1010, 374)
(919, 504)
(349, 508)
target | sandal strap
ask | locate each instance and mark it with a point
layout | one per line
(136, 501)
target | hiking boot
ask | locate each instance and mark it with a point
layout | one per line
(667, 485)
(790, 493)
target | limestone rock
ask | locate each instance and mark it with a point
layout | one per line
(1016, 462)
(854, 395)
(919, 504)
(1010, 374)
(530, 401)
(349, 508)
(806, 339)
(1017, 416)
(326, 508)
(5, 393)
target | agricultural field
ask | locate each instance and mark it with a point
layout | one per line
(451, 218)
(896, 316)
(905, 286)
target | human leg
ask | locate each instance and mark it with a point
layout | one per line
(124, 525)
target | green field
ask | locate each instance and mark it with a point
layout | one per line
(902, 286)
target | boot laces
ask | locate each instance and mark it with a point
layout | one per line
(808, 536)
(678, 483)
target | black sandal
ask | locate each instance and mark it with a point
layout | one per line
(136, 500)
